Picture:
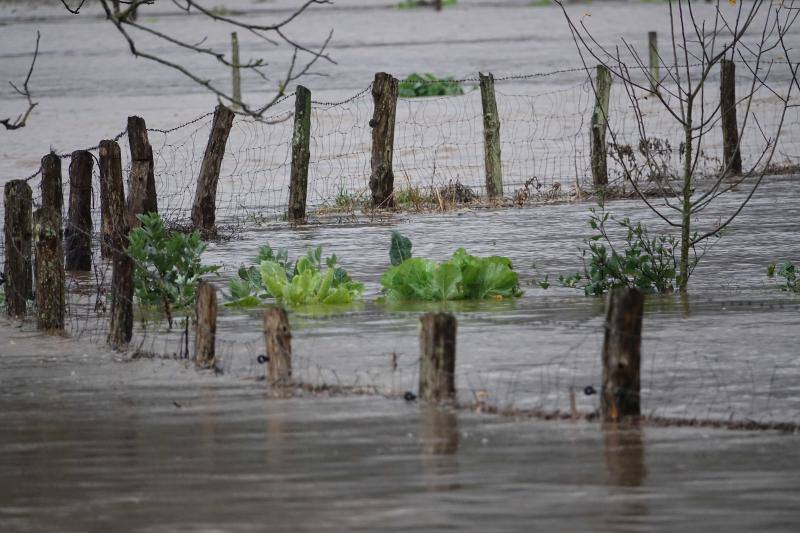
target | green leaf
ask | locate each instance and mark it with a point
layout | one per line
(445, 282)
(400, 248)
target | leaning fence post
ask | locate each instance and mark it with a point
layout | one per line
(206, 330)
(381, 181)
(599, 123)
(205, 198)
(732, 157)
(236, 72)
(49, 270)
(52, 188)
(655, 75)
(110, 177)
(18, 230)
(141, 179)
(491, 137)
(620, 396)
(301, 153)
(78, 233)
(278, 340)
(437, 357)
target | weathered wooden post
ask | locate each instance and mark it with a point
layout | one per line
(141, 179)
(205, 198)
(110, 177)
(491, 137)
(599, 123)
(236, 73)
(437, 357)
(18, 234)
(278, 340)
(206, 329)
(655, 75)
(112, 190)
(732, 157)
(52, 188)
(381, 181)
(301, 153)
(78, 233)
(438, 5)
(49, 270)
(620, 397)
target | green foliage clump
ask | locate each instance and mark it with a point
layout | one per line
(410, 4)
(788, 272)
(305, 282)
(463, 277)
(416, 85)
(167, 267)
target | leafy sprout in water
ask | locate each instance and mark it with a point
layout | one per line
(418, 85)
(788, 271)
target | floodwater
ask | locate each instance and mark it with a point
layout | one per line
(93, 441)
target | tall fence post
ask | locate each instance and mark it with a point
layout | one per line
(599, 123)
(381, 181)
(78, 233)
(652, 48)
(206, 329)
(17, 231)
(141, 179)
(205, 198)
(49, 270)
(110, 176)
(112, 189)
(301, 153)
(236, 72)
(437, 357)
(620, 396)
(52, 188)
(278, 341)
(732, 157)
(491, 137)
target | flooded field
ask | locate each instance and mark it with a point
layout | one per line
(91, 439)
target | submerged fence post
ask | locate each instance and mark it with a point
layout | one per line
(52, 188)
(78, 233)
(205, 198)
(620, 396)
(49, 270)
(491, 137)
(652, 47)
(599, 122)
(381, 181)
(112, 190)
(732, 157)
(206, 329)
(236, 73)
(18, 233)
(110, 178)
(278, 340)
(301, 153)
(141, 179)
(437, 357)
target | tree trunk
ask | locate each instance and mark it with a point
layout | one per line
(732, 157)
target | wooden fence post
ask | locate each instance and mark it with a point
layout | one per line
(381, 181)
(110, 178)
(18, 233)
(112, 190)
(491, 137)
(141, 179)
(278, 340)
(49, 270)
(620, 396)
(78, 233)
(732, 157)
(52, 188)
(301, 153)
(205, 198)
(236, 73)
(206, 329)
(437, 357)
(652, 47)
(599, 123)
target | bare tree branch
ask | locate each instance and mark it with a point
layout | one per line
(25, 91)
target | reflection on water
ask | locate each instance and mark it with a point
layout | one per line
(624, 454)
(438, 433)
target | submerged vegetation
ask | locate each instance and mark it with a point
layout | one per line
(418, 85)
(411, 4)
(787, 271)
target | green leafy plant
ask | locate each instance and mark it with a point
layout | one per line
(410, 4)
(463, 277)
(306, 282)
(788, 272)
(416, 85)
(167, 266)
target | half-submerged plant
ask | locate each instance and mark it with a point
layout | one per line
(788, 272)
(417, 85)
(463, 277)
